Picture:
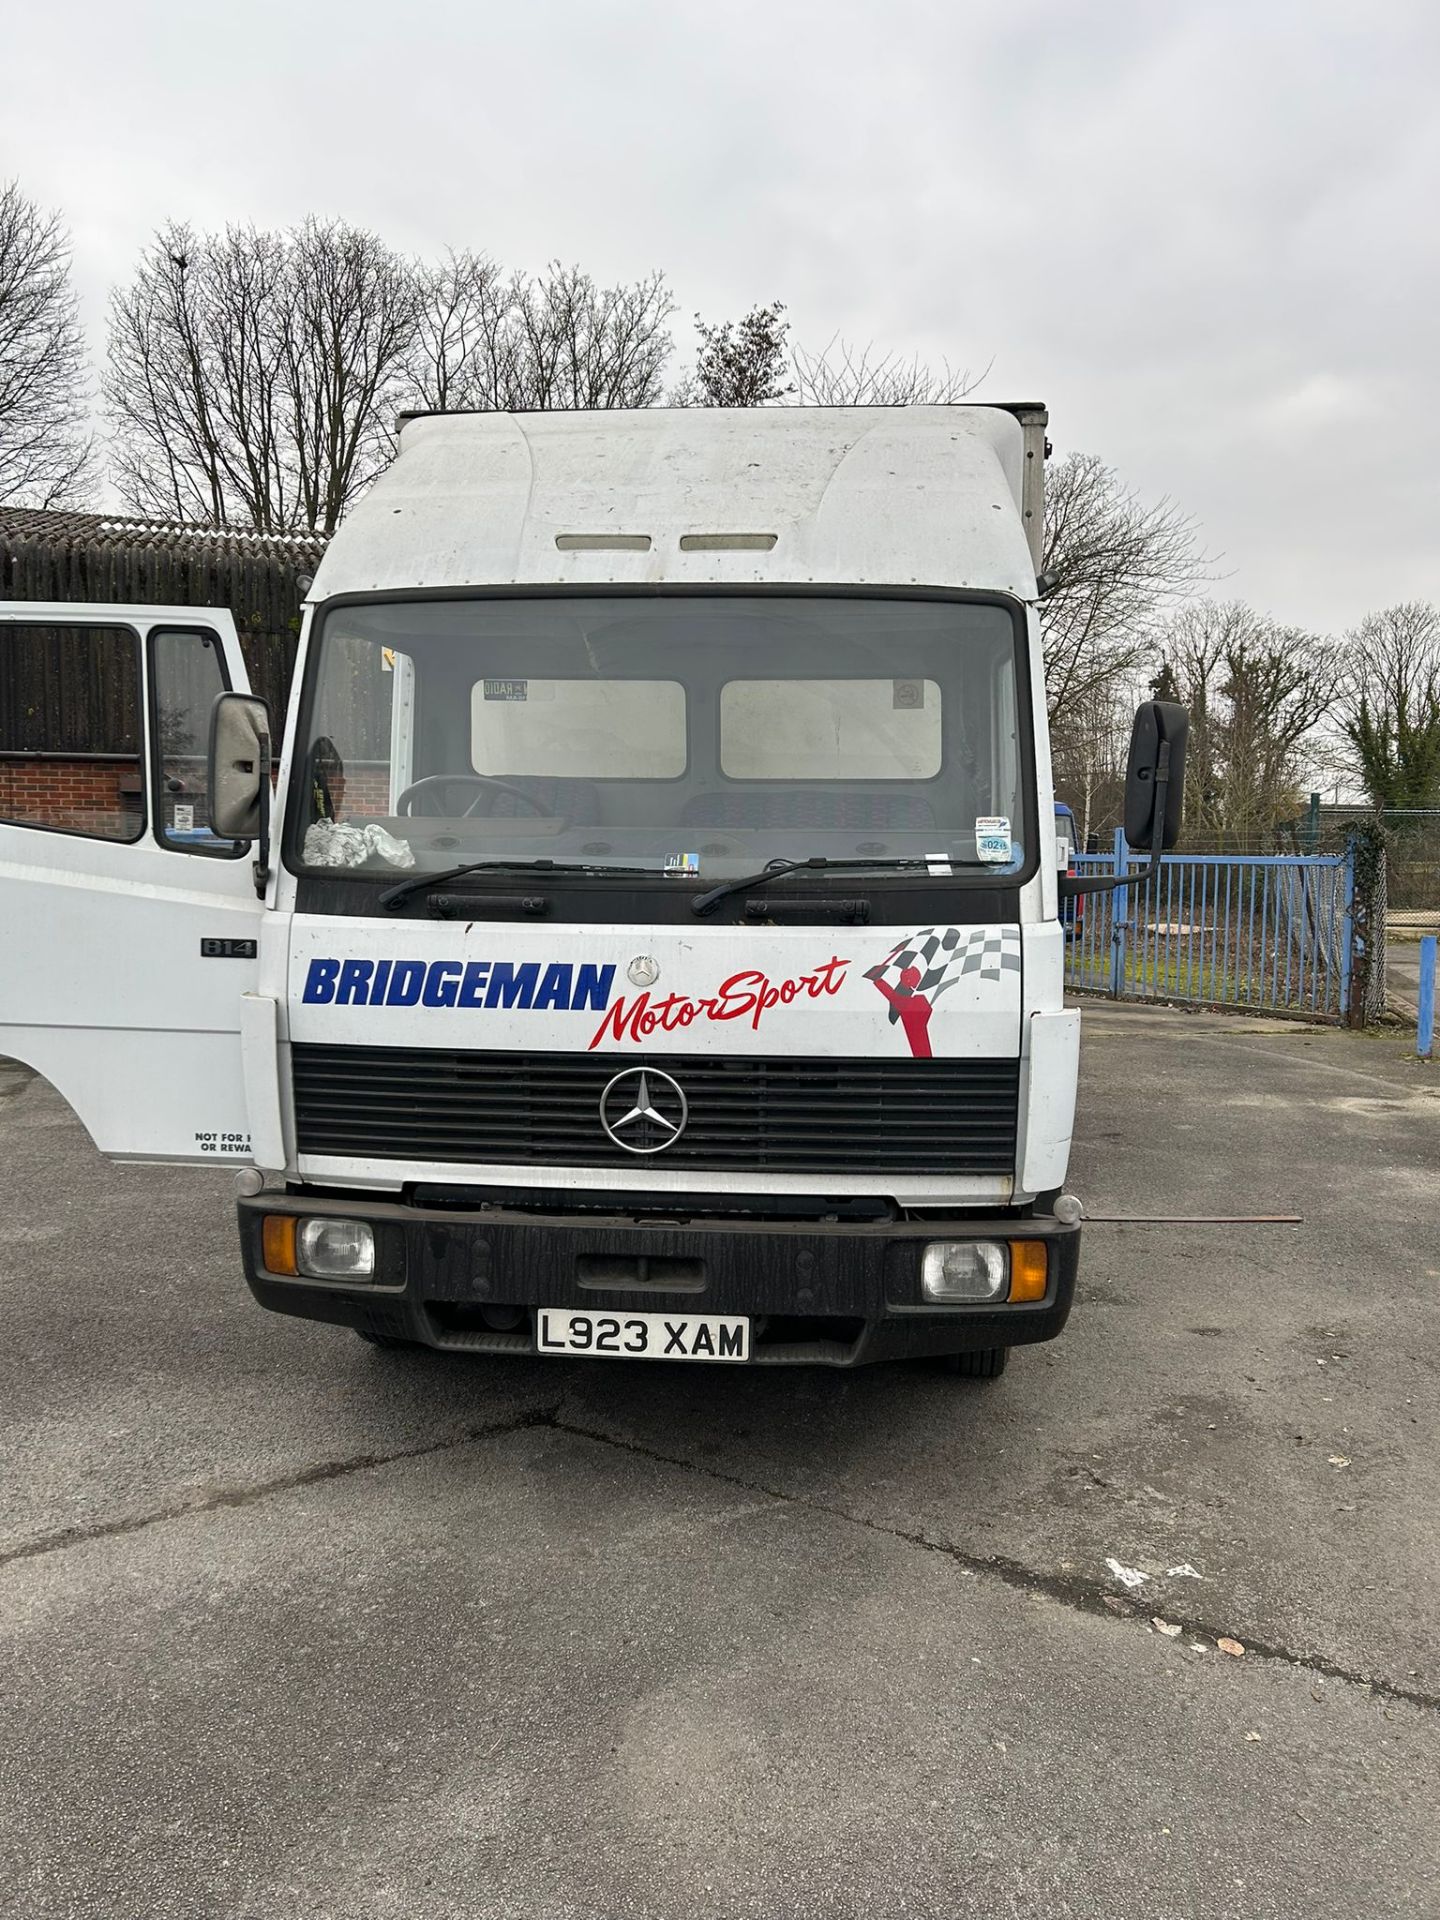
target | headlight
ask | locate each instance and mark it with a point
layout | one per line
(964, 1270)
(336, 1249)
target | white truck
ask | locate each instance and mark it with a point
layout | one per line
(651, 946)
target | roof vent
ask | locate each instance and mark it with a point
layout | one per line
(603, 542)
(726, 542)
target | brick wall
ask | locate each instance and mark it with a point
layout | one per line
(367, 793)
(87, 795)
(102, 796)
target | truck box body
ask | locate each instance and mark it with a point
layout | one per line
(619, 665)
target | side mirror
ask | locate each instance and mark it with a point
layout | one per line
(239, 764)
(1155, 776)
(1154, 796)
(239, 775)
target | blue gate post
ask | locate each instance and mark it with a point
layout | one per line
(1347, 937)
(1119, 921)
(1425, 1038)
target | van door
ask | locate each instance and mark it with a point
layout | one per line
(128, 930)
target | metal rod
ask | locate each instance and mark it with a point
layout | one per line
(1193, 1219)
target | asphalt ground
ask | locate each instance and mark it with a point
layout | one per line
(1402, 973)
(289, 1627)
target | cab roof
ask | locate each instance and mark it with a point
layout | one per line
(857, 496)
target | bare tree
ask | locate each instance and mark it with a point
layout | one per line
(1278, 690)
(466, 348)
(1089, 751)
(842, 375)
(45, 446)
(1192, 646)
(1256, 691)
(1110, 563)
(252, 376)
(1390, 705)
(525, 342)
(195, 380)
(582, 345)
(349, 324)
(741, 363)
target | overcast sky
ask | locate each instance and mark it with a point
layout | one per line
(1205, 234)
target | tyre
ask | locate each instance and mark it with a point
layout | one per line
(983, 1363)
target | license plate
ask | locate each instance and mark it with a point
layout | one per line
(642, 1336)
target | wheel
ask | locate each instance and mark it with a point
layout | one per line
(380, 1339)
(981, 1363)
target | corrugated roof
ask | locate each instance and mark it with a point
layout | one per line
(67, 527)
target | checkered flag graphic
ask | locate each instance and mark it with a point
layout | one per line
(944, 955)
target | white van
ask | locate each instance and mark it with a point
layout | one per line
(653, 947)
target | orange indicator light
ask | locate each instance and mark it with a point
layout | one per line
(277, 1243)
(1029, 1269)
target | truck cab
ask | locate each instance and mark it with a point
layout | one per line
(651, 945)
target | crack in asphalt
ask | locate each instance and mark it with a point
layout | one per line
(263, 1489)
(1068, 1590)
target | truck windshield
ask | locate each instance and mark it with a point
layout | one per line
(695, 736)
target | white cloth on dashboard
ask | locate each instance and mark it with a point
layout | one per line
(330, 843)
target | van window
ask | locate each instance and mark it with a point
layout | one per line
(187, 671)
(70, 730)
(674, 734)
(830, 729)
(359, 751)
(583, 729)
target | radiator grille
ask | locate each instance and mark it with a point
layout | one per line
(778, 1115)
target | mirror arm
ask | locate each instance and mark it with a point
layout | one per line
(1072, 886)
(262, 841)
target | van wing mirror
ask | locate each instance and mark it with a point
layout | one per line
(1155, 776)
(239, 775)
(1154, 795)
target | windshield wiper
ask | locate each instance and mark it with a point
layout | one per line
(418, 882)
(701, 903)
(818, 862)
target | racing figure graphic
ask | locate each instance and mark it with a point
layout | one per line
(909, 1006)
(914, 974)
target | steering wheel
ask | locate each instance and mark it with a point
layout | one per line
(485, 781)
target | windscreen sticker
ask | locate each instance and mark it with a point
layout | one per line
(992, 838)
(506, 689)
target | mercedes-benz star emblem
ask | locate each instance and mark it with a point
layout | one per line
(643, 1111)
(644, 970)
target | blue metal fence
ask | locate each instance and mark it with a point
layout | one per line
(1222, 930)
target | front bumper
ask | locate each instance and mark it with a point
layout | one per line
(841, 1293)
